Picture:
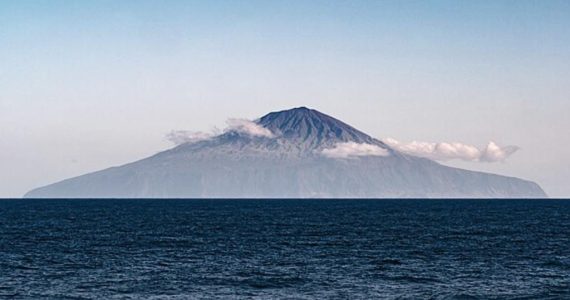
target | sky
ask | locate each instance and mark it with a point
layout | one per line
(85, 85)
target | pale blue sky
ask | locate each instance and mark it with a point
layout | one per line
(89, 84)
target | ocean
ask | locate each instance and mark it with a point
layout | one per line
(285, 249)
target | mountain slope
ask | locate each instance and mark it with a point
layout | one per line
(288, 164)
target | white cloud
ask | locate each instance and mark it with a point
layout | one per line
(244, 126)
(248, 127)
(352, 149)
(494, 153)
(179, 137)
(448, 151)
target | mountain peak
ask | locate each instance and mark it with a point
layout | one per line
(312, 128)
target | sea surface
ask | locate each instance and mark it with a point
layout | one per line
(290, 249)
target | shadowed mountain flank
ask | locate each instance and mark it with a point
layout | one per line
(312, 128)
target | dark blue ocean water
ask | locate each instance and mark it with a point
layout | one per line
(179, 249)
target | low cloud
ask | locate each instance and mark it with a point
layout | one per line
(248, 127)
(179, 137)
(243, 126)
(493, 152)
(352, 150)
(448, 151)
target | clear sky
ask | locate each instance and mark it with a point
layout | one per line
(85, 85)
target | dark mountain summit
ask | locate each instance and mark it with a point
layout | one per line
(315, 129)
(292, 153)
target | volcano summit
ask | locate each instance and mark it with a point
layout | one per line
(296, 153)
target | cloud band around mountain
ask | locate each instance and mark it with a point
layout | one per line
(352, 150)
(242, 126)
(179, 137)
(448, 151)
(442, 151)
(248, 127)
